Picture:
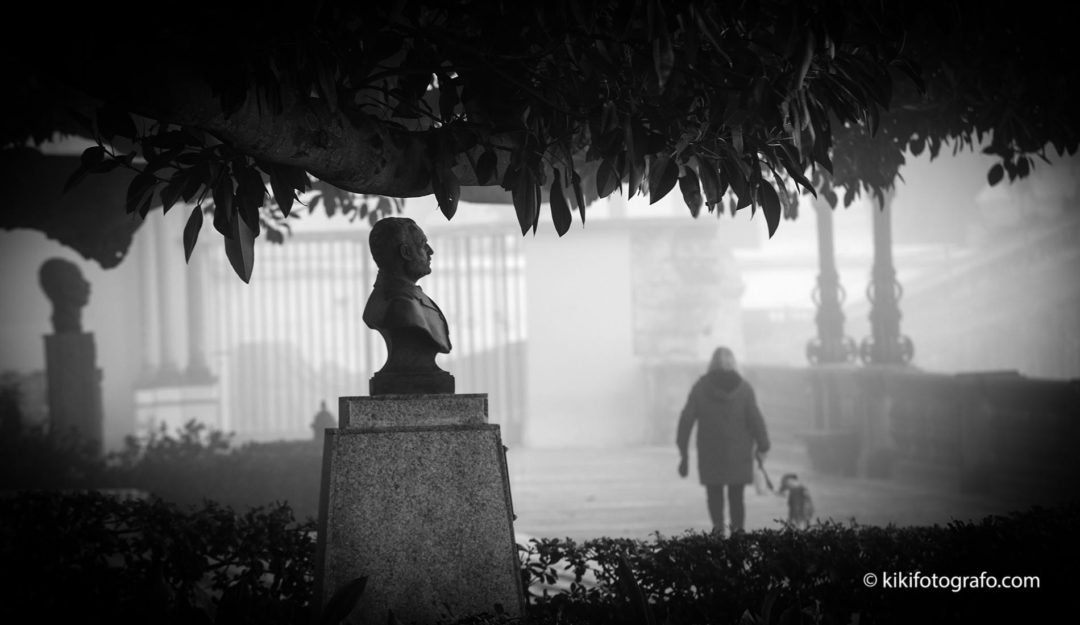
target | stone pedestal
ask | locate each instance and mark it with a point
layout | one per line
(416, 498)
(73, 384)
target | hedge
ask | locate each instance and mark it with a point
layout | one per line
(186, 467)
(93, 558)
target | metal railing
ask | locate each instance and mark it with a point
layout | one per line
(294, 336)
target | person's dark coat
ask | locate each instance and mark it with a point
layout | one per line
(729, 424)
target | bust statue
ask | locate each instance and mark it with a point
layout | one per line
(68, 291)
(412, 325)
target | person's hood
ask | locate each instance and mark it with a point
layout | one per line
(720, 382)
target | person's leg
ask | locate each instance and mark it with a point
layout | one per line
(714, 493)
(738, 507)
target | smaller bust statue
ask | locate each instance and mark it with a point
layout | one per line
(68, 291)
(412, 325)
(323, 419)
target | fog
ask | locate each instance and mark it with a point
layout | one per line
(586, 345)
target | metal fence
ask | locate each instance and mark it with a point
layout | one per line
(294, 336)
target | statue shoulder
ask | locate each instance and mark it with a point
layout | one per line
(402, 309)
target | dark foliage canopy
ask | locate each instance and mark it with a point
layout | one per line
(239, 108)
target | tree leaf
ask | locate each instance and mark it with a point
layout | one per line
(536, 206)
(223, 209)
(142, 185)
(510, 176)
(710, 181)
(830, 197)
(632, 591)
(447, 190)
(996, 173)
(485, 167)
(161, 160)
(791, 164)
(524, 200)
(448, 97)
(1023, 167)
(240, 249)
(746, 198)
(820, 150)
(741, 187)
(917, 145)
(691, 191)
(560, 210)
(663, 57)
(171, 192)
(196, 178)
(383, 207)
(92, 156)
(144, 205)
(607, 178)
(635, 157)
(633, 180)
(282, 188)
(770, 204)
(191, 231)
(663, 174)
(579, 195)
(849, 194)
(250, 193)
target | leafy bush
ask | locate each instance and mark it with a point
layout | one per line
(814, 576)
(198, 463)
(90, 558)
(187, 467)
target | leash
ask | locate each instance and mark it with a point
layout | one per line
(764, 474)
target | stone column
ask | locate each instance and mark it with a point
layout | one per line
(886, 345)
(416, 500)
(74, 386)
(72, 377)
(831, 345)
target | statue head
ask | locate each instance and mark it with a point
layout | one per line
(68, 291)
(723, 358)
(400, 247)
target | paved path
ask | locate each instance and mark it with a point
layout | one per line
(586, 493)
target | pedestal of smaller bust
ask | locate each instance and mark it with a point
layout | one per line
(73, 384)
(395, 383)
(416, 498)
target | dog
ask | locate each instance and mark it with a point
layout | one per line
(800, 506)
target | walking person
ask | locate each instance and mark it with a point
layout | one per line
(731, 431)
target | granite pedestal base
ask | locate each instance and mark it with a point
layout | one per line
(416, 498)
